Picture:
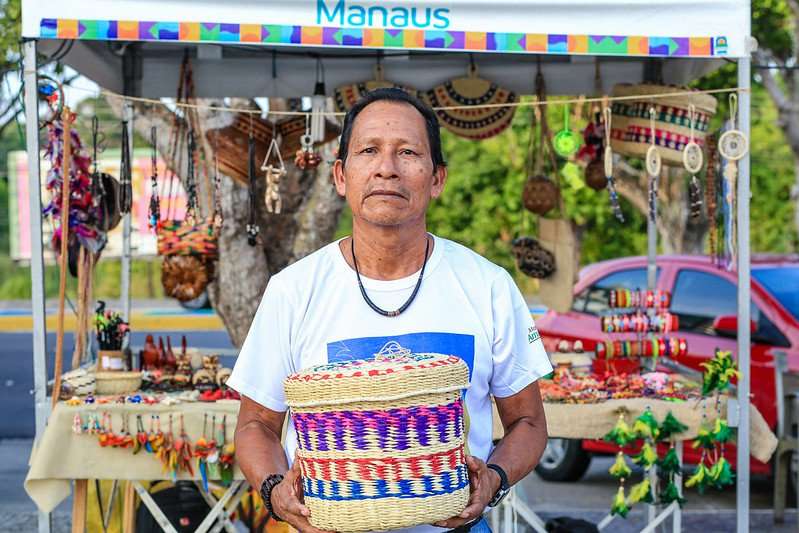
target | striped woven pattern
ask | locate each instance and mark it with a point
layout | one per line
(631, 129)
(381, 442)
(177, 238)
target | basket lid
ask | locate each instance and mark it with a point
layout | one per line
(384, 378)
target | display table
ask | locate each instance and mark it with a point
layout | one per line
(61, 456)
(595, 420)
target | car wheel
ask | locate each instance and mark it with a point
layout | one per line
(563, 460)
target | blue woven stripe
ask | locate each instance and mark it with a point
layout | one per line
(446, 482)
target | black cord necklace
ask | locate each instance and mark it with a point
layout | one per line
(413, 294)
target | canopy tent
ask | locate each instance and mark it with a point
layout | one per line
(249, 48)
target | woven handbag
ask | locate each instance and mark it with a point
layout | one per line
(381, 442)
(176, 237)
(631, 126)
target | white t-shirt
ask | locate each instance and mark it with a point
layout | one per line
(312, 313)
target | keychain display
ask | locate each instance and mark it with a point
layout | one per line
(273, 173)
(639, 322)
(306, 158)
(611, 183)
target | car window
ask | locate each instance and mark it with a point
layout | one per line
(594, 298)
(699, 297)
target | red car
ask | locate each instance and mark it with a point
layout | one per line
(705, 299)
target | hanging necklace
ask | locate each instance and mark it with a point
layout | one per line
(413, 294)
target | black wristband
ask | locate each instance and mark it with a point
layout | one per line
(266, 493)
(504, 486)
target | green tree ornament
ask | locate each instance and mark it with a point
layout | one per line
(671, 494)
(620, 470)
(619, 505)
(721, 473)
(621, 433)
(700, 478)
(641, 492)
(670, 464)
(670, 427)
(646, 457)
(722, 433)
(704, 438)
(646, 426)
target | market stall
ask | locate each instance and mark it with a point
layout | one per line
(269, 50)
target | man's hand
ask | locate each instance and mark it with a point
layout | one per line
(483, 483)
(287, 501)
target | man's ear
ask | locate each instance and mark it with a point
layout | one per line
(338, 177)
(439, 180)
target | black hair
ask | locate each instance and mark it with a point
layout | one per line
(392, 94)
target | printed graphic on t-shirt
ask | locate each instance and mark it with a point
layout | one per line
(458, 344)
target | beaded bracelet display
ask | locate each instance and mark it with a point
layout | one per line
(669, 347)
(638, 322)
(625, 299)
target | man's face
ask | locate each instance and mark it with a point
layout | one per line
(389, 177)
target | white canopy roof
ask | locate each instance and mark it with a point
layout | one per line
(271, 48)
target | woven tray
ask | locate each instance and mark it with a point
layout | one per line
(381, 442)
(631, 128)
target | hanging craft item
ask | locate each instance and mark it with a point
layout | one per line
(592, 152)
(479, 113)
(733, 144)
(611, 183)
(273, 175)
(125, 173)
(621, 435)
(318, 106)
(51, 94)
(540, 194)
(693, 159)
(566, 142)
(631, 134)
(154, 208)
(253, 229)
(669, 465)
(653, 167)
(105, 189)
(532, 259)
(711, 195)
(306, 157)
(346, 96)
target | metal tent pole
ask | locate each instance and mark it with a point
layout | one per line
(744, 333)
(41, 405)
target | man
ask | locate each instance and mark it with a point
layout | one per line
(392, 282)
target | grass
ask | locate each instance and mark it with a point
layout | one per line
(15, 280)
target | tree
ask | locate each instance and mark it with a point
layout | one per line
(307, 221)
(775, 24)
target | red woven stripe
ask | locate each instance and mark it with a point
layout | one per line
(389, 469)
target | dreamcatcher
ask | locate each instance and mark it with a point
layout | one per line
(653, 163)
(611, 183)
(693, 159)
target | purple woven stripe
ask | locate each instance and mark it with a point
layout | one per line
(393, 427)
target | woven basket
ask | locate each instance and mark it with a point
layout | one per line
(630, 126)
(177, 237)
(381, 442)
(116, 382)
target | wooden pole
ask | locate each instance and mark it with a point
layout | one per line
(79, 501)
(67, 117)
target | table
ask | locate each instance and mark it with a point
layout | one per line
(595, 420)
(61, 456)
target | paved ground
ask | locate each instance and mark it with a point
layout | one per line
(588, 499)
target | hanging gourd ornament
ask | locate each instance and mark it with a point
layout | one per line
(566, 142)
(540, 194)
(273, 175)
